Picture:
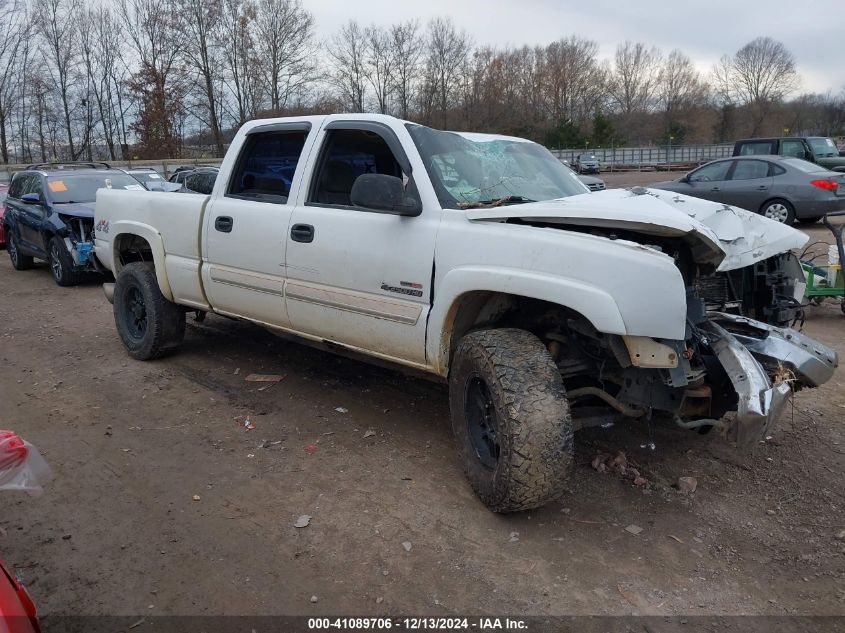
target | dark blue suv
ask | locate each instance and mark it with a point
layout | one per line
(50, 215)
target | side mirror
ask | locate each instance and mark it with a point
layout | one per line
(380, 192)
(685, 179)
(31, 198)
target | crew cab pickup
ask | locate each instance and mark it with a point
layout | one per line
(480, 259)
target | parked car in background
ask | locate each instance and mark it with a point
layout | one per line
(587, 163)
(180, 173)
(200, 180)
(49, 215)
(780, 188)
(149, 177)
(4, 188)
(816, 149)
(593, 183)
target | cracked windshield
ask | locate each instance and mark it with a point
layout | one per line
(478, 170)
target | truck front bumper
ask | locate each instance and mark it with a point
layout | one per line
(765, 364)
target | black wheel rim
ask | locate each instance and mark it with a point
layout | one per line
(55, 261)
(136, 313)
(480, 414)
(13, 250)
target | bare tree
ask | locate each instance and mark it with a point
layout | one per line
(347, 52)
(284, 35)
(201, 22)
(380, 60)
(446, 54)
(153, 28)
(761, 74)
(635, 77)
(679, 88)
(573, 81)
(407, 45)
(241, 67)
(55, 24)
(14, 37)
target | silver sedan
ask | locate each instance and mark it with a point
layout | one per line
(779, 187)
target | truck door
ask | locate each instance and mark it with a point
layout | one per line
(360, 277)
(749, 186)
(246, 224)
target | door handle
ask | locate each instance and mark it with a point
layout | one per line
(716, 189)
(302, 233)
(224, 223)
(763, 187)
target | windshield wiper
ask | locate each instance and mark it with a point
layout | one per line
(495, 202)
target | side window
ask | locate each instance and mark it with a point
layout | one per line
(793, 148)
(711, 173)
(750, 169)
(756, 149)
(16, 188)
(202, 182)
(36, 186)
(346, 155)
(776, 170)
(28, 184)
(266, 166)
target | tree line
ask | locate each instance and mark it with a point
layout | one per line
(119, 79)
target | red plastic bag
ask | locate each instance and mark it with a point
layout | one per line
(13, 450)
(21, 466)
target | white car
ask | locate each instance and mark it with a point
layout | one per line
(480, 259)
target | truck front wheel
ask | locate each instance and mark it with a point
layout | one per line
(148, 324)
(511, 419)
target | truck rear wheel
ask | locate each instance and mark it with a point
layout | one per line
(148, 324)
(511, 419)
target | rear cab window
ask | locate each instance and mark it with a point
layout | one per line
(267, 164)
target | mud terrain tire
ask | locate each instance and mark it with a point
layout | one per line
(148, 324)
(511, 419)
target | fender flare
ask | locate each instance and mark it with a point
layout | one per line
(156, 242)
(595, 304)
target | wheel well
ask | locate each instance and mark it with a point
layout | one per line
(130, 248)
(47, 235)
(485, 309)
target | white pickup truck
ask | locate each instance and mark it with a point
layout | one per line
(478, 258)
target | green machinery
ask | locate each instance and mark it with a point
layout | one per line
(827, 281)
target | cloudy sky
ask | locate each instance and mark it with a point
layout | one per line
(814, 30)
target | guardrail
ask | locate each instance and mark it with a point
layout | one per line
(654, 157)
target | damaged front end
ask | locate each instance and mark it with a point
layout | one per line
(77, 234)
(730, 372)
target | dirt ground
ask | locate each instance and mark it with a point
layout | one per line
(368, 454)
